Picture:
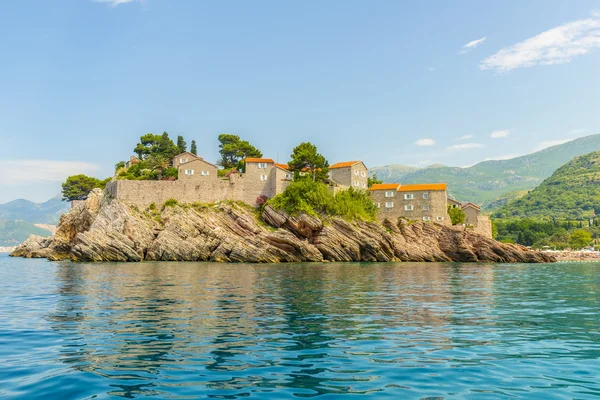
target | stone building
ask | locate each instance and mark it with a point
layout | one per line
(472, 212)
(481, 224)
(422, 202)
(198, 181)
(349, 174)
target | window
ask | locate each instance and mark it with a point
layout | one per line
(288, 176)
(425, 196)
(389, 194)
(364, 185)
(263, 177)
(262, 165)
(409, 196)
(426, 218)
(378, 205)
(356, 183)
(363, 174)
(204, 173)
(356, 172)
(440, 218)
(389, 204)
(408, 207)
(425, 207)
(189, 172)
(183, 160)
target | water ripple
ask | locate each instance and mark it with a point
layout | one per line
(198, 330)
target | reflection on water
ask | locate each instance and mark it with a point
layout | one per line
(188, 330)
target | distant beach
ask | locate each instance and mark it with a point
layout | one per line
(4, 249)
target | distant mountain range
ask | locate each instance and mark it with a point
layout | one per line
(570, 193)
(18, 219)
(493, 183)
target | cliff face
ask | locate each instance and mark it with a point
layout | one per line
(103, 229)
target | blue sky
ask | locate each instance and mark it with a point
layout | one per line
(388, 82)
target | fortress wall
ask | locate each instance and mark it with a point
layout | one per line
(484, 226)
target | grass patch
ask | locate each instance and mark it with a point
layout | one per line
(314, 198)
(170, 203)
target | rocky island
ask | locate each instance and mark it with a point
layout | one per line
(102, 228)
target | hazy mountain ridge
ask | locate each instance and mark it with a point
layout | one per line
(488, 181)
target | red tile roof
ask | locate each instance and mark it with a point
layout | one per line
(344, 164)
(385, 186)
(283, 166)
(259, 160)
(418, 187)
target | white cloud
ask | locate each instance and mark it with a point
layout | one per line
(114, 3)
(558, 45)
(13, 172)
(465, 137)
(505, 157)
(465, 146)
(500, 134)
(425, 142)
(471, 45)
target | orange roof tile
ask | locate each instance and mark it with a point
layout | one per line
(257, 160)
(385, 186)
(284, 166)
(417, 187)
(344, 164)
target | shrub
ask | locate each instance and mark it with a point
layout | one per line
(261, 200)
(152, 206)
(314, 198)
(170, 203)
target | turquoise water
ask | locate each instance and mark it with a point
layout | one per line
(199, 330)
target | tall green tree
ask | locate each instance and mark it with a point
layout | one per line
(580, 238)
(305, 157)
(193, 148)
(78, 187)
(151, 144)
(181, 144)
(372, 180)
(159, 163)
(233, 150)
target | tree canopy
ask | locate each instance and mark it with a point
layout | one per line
(181, 144)
(306, 158)
(233, 150)
(457, 216)
(78, 187)
(193, 148)
(156, 145)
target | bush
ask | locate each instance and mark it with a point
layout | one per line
(170, 203)
(314, 198)
(261, 200)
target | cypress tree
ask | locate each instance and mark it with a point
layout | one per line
(193, 148)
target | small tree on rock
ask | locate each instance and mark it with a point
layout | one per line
(78, 187)
(457, 216)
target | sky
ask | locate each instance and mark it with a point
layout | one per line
(387, 82)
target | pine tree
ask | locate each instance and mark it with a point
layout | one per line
(181, 144)
(193, 148)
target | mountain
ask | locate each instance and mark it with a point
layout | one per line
(571, 193)
(14, 232)
(488, 182)
(47, 212)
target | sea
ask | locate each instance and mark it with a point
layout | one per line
(286, 331)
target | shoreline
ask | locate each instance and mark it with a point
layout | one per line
(568, 255)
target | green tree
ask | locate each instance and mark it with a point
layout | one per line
(233, 150)
(181, 144)
(457, 216)
(193, 148)
(119, 165)
(151, 144)
(158, 163)
(372, 180)
(78, 187)
(305, 157)
(580, 238)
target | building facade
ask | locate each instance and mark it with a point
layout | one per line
(419, 202)
(352, 174)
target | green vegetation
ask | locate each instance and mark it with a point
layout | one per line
(77, 187)
(571, 193)
(181, 145)
(157, 146)
(14, 232)
(372, 180)
(488, 181)
(306, 158)
(457, 216)
(233, 150)
(193, 148)
(170, 203)
(553, 234)
(314, 198)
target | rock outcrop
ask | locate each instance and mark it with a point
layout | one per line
(104, 229)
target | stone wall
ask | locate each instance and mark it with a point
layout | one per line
(484, 226)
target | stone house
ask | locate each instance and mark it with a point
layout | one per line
(133, 160)
(420, 202)
(196, 169)
(352, 174)
(184, 158)
(472, 212)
